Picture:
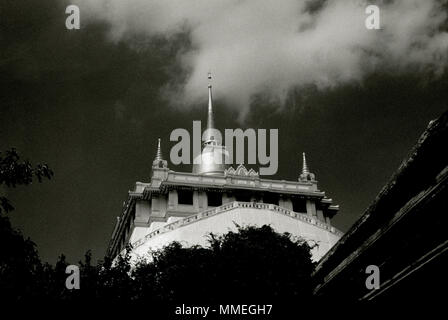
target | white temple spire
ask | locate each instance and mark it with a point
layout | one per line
(159, 152)
(306, 175)
(305, 169)
(214, 157)
(158, 161)
(210, 117)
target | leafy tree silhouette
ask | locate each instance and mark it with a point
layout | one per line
(20, 266)
(250, 265)
(14, 171)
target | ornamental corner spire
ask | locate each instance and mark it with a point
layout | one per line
(305, 169)
(306, 175)
(159, 156)
(158, 161)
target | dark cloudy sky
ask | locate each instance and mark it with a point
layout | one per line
(92, 102)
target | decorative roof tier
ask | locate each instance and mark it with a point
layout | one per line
(240, 171)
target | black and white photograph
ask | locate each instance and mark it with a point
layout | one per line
(224, 159)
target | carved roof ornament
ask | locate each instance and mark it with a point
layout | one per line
(306, 175)
(240, 171)
(158, 161)
(159, 151)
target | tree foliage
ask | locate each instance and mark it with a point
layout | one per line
(14, 171)
(250, 265)
(19, 262)
(21, 270)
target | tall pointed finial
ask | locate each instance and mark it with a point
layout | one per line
(159, 152)
(306, 175)
(210, 120)
(305, 169)
(158, 161)
(213, 158)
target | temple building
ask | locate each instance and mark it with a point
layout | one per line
(215, 198)
(403, 233)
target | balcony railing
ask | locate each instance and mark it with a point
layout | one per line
(232, 205)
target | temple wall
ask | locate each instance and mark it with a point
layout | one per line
(196, 233)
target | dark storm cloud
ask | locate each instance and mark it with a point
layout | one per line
(275, 46)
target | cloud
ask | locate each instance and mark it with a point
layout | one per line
(270, 47)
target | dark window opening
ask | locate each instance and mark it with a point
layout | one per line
(185, 197)
(214, 199)
(243, 197)
(299, 205)
(271, 198)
